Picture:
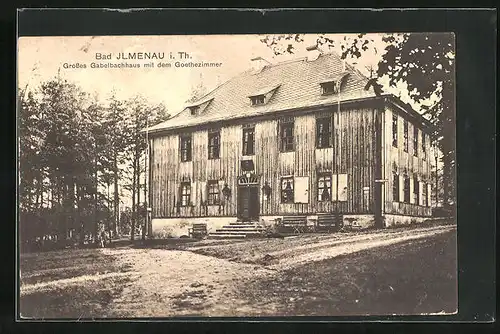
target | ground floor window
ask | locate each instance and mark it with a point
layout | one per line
(416, 190)
(213, 193)
(185, 193)
(395, 186)
(324, 187)
(424, 194)
(406, 189)
(287, 190)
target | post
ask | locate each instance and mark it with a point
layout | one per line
(146, 200)
(436, 176)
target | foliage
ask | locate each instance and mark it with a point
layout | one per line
(72, 152)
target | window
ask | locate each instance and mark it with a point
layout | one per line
(213, 145)
(287, 190)
(249, 141)
(185, 193)
(416, 190)
(328, 88)
(405, 135)
(406, 189)
(194, 110)
(257, 100)
(324, 187)
(324, 132)
(424, 152)
(286, 136)
(395, 130)
(185, 148)
(424, 194)
(395, 186)
(213, 192)
(415, 141)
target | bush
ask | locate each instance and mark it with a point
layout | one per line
(164, 233)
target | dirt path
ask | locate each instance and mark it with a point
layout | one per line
(183, 283)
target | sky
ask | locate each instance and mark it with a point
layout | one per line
(42, 58)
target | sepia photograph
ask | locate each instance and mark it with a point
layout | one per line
(269, 175)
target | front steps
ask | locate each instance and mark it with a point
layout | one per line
(238, 230)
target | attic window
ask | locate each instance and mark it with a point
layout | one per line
(257, 100)
(194, 110)
(329, 88)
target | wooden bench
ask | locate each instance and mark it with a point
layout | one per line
(198, 231)
(297, 224)
(329, 222)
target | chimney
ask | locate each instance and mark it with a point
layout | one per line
(258, 64)
(313, 52)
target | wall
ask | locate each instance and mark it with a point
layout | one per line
(400, 220)
(353, 154)
(405, 162)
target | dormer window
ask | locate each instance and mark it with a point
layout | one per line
(257, 100)
(194, 110)
(197, 108)
(332, 84)
(329, 88)
(263, 95)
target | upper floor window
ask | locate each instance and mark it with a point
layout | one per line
(415, 141)
(395, 130)
(405, 136)
(287, 189)
(249, 141)
(324, 187)
(213, 145)
(194, 110)
(186, 148)
(286, 136)
(329, 88)
(324, 132)
(185, 193)
(257, 100)
(213, 192)
(424, 151)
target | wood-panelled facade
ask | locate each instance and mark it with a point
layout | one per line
(358, 157)
(410, 162)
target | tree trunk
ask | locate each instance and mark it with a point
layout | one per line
(116, 204)
(132, 232)
(139, 212)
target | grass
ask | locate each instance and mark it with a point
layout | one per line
(86, 299)
(408, 278)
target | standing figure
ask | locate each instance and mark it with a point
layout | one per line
(101, 234)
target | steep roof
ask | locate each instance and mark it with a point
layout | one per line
(298, 86)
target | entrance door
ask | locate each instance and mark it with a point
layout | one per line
(248, 203)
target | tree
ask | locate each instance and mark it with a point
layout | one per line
(424, 62)
(140, 115)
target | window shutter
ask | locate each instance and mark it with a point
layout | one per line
(194, 192)
(401, 188)
(429, 189)
(203, 191)
(342, 187)
(334, 188)
(412, 188)
(221, 186)
(421, 193)
(301, 189)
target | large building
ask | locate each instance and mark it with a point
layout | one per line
(302, 138)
